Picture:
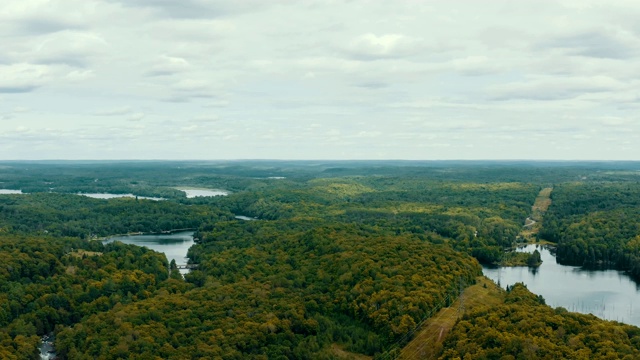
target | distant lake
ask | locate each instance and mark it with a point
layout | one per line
(608, 294)
(174, 246)
(113, 196)
(242, 217)
(191, 193)
(7, 191)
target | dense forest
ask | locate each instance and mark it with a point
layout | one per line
(290, 290)
(86, 218)
(346, 259)
(523, 327)
(48, 283)
(596, 224)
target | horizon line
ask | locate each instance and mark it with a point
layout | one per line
(320, 159)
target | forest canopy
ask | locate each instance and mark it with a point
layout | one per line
(344, 259)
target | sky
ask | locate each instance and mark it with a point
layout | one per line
(276, 79)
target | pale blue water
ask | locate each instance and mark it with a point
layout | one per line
(113, 196)
(191, 193)
(608, 294)
(7, 192)
(174, 246)
(242, 217)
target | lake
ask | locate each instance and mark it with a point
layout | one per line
(191, 193)
(608, 294)
(246, 218)
(174, 246)
(113, 196)
(7, 191)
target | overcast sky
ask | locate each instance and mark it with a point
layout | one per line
(267, 79)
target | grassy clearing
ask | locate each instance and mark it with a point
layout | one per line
(534, 222)
(482, 186)
(82, 253)
(342, 354)
(427, 343)
(541, 204)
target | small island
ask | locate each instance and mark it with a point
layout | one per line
(514, 258)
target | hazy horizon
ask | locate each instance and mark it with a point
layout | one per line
(340, 80)
(333, 160)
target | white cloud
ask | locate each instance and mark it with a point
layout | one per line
(69, 48)
(370, 46)
(613, 43)
(135, 117)
(23, 77)
(476, 65)
(114, 112)
(555, 88)
(168, 65)
(143, 78)
(615, 121)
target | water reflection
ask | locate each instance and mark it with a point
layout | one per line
(246, 218)
(174, 246)
(608, 294)
(8, 191)
(192, 193)
(113, 196)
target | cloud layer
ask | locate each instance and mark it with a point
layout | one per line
(214, 79)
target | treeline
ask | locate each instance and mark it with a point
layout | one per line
(49, 283)
(284, 289)
(480, 219)
(150, 178)
(523, 327)
(84, 217)
(596, 224)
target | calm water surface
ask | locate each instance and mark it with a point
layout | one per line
(246, 218)
(608, 294)
(7, 191)
(112, 196)
(174, 246)
(191, 193)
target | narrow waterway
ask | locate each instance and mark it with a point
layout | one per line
(46, 347)
(608, 294)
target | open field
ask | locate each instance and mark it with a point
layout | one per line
(542, 203)
(427, 343)
(342, 354)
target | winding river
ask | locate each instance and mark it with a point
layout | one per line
(608, 294)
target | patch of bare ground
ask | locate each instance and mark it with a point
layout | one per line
(71, 270)
(340, 353)
(541, 204)
(533, 223)
(427, 344)
(82, 253)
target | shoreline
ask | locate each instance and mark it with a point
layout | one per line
(164, 232)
